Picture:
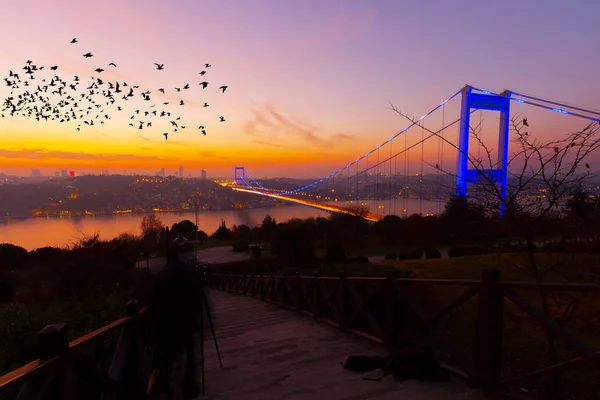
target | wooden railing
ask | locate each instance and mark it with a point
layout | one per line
(393, 311)
(84, 368)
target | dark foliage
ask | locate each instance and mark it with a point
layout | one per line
(12, 257)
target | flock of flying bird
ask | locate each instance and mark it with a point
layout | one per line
(64, 100)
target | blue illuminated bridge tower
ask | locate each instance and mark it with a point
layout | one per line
(474, 99)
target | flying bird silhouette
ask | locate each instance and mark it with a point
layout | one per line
(74, 40)
(205, 104)
(166, 135)
(202, 72)
(207, 65)
(113, 64)
(98, 70)
(88, 55)
(204, 84)
(222, 119)
(223, 88)
(525, 122)
(54, 68)
(159, 66)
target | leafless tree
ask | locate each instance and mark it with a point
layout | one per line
(541, 175)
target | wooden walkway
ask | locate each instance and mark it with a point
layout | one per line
(272, 353)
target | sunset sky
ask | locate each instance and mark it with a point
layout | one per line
(309, 82)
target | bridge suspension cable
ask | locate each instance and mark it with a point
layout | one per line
(416, 122)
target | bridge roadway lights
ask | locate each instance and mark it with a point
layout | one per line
(497, 174)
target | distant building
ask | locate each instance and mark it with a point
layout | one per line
(177, 174)
(57, 174)
(71, 173)
(63, 173)
(36, 172)
(181, 171)
(203, 174)
(105, 172)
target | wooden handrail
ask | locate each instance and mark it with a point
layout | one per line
(339, 305)
(60, 354)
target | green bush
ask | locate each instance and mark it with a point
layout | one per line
(433, 253)
(240, 245)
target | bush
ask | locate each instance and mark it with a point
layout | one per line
(335, 253)
(457, 252)
(410, 255)
(362, 259)
(240, 245)
(12, 257)
(7, 289)
(434, 253)
(391, 256)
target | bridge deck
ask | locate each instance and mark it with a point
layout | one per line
(272, 353)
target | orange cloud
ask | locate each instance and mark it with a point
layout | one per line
(271, 124)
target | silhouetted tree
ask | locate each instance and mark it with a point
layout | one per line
(462, 221)
(268, 227)
(244, 232)
(222, 233)
(12, 257)
(294, 245)
(186, 227)
(390, 229)
(347, 229)
(46, 255)
(152, 228)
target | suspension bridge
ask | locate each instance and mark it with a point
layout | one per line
(436, 155)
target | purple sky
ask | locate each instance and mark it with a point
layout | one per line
(309, 81)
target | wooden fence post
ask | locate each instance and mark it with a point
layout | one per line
(53, 341)
(135, 365)
(315, 295)
(272, 278)
(297, 292)
(489, 326)
(342, 299)
(389, 301)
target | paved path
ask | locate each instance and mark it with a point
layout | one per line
(272, 353)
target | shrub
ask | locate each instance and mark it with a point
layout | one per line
(391, 256)
(457, 251)
(433, 253)
(410, 255)
(362, 259)
(240, 245)
(12, 257)
(335, 253)
(7, 289)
